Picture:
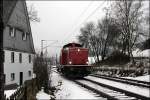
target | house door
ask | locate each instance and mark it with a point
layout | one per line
(21, 78)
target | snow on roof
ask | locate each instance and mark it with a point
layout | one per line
(144, 53)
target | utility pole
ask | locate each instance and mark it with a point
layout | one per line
(53, 41)
(2, 76)
(56, 59)
(42, 46)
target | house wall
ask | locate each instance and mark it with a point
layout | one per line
(19, 20)
(17, 67)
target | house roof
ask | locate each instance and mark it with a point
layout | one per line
(8, 6)
(15, 15)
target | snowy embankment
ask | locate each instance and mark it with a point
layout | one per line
(145, 78)
(70, 90)
(41, 95)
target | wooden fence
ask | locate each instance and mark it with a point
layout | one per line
(25, 92)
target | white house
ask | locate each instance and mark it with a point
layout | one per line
(18, 45)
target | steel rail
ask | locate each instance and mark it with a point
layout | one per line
(105, 91)
(128, 93)
(124, 80)
(120, 93)
(100, 93)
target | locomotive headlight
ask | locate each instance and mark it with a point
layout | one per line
(78, 50)
(87, 62)
(70, 62)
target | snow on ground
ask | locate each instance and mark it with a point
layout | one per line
(139, 53)
(132, 88)
(70, 90)
(42, 95)
(141, 78)
(8, 93)
(91, 60)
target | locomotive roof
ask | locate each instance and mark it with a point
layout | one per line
(72, 45)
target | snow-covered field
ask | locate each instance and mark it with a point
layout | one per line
(70, 90)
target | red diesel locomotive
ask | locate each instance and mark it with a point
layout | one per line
(74, 60)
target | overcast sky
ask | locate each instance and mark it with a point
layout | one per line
(62, 20)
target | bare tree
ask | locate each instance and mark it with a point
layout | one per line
(89, 39)
(128, 14)
(97, 39)
(40, 69)
(108, 33)
(33, 14)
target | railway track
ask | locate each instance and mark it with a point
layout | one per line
(124, 80)
(108, 91)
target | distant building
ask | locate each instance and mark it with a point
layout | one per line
(18, 43)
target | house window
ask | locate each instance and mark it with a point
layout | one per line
(12, 57)
(20, 57)
(12, 76)
(24, 36)
(29, 58)
(29, 73)
(12, 31)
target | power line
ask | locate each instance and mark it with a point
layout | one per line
(86, 19)
(84, 11)
(75, 22)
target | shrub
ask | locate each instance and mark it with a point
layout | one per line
(117, 57)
